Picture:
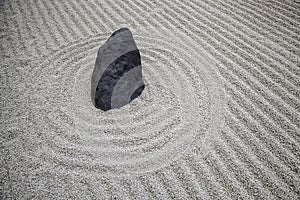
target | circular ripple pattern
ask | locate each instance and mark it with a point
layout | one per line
(180, 107)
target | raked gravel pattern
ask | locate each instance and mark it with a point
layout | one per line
(218, 118)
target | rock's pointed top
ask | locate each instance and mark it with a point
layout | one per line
(119, 31)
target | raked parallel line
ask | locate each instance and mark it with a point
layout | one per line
(270, 10)
(284, 9)
(269, 53)
(221, 170)
(122, 12)
(273, 129)
(6, 37)
(110, 188)
(147, 184)
(130, 12)
(40, 34)
(188, 182)
(96, 26)
(256, 187)
(165, 25)
(163, 183)
(275, 115)
(94, 188)
(178, 189)
(140, 7)
(290, 4)
(151, 182)
(288, 109)
(258, 64)
(98, 15)
(15, 28)
(237, 91)
(76, 19)
(276, 155)
(270, 27)
(221, 54)
(144, 7)
(52, 26)
(53, 41)
(270, 20)
(228, 176)
(81, 18)
(289, 9)
(265, 160)
(122, 191)
(267, 155)
(65, 19)
(138, 189)
(223, 151)
(282, 70)
(103, 10)
(133, 189)
(206, 178)
(260, 27)
(60, 24)
(28, 33)
(89, 11)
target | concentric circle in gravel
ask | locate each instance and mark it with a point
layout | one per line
(180, 107)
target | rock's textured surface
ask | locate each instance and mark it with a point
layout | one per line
(117, 76)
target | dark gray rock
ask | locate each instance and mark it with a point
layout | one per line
(117, 76)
